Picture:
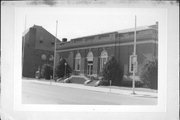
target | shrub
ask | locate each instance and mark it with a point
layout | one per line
(113, 72)
(47, 71)
(104, 82)
(149, 74)
(61, 70)
(127, 82)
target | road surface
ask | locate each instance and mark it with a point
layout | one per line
(39, 93)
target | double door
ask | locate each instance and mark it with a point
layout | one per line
(90, 68)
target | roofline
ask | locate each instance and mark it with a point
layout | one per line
(52, 34)
(25, 32)
(140, 28)
(93, 35)
(36, 26)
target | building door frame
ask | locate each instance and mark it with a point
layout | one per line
(90, 63)
(90, 68)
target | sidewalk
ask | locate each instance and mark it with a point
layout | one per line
(107, 89)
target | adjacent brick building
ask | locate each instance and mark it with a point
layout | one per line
(88, 55)
(38, 49)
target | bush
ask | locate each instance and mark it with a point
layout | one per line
(61, 70)
(113, 72)
(47, 71)
(127, 82)
(104, 83)
(149, 74)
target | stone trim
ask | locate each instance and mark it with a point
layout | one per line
(110, 45)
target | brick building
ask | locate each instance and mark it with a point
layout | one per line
(88, 55)
(38, 49)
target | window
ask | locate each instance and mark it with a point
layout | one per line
(52, 43)
(103, 60)
(78, 62)
(90, 63)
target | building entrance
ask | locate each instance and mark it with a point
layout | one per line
(90, 63)
(90, 68)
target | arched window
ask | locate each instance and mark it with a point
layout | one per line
(78, 62)
(90, 63)
(103, 59)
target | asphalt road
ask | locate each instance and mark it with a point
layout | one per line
(38, 93)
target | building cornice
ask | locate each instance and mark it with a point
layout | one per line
(109, 45)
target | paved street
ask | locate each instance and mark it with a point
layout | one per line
(39, 93)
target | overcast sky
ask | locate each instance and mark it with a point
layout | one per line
(78, 22)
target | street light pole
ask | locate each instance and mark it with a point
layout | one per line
(134, 58)
(65, 68)
(110, 85)
(54, 65)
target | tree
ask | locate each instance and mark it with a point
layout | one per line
(149, 74)
(113, 72)
(63, 69)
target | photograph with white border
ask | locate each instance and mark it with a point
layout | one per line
(73, 77)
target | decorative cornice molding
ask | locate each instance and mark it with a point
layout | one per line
(109, 45)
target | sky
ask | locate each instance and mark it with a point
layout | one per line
(79, 22)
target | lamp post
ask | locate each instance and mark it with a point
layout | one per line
(54, 64)
(134, 59)
(65, 68)
(110, 85)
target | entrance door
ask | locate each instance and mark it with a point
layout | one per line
(90, 68)
(90, 63)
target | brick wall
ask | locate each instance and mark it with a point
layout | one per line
(116, 44)
(34, 49)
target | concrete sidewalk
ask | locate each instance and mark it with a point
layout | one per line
(106, 89)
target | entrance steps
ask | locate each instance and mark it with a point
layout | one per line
(92, 83)
(80, 79)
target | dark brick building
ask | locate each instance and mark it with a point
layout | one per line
(88, 55)
(38, 45)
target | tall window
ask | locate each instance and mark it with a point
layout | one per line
(103, 59)
(78, 62)
(90, 63)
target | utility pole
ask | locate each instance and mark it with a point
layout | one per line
(110, 85)
(134, 59)
(54, 66)
(65, 68)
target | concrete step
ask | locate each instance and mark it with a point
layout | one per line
(77, 79)
(92, 83)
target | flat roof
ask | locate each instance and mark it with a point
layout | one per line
(140, 28)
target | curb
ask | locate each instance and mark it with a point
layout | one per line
(98, 89)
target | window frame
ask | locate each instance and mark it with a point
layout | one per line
(103, 57)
